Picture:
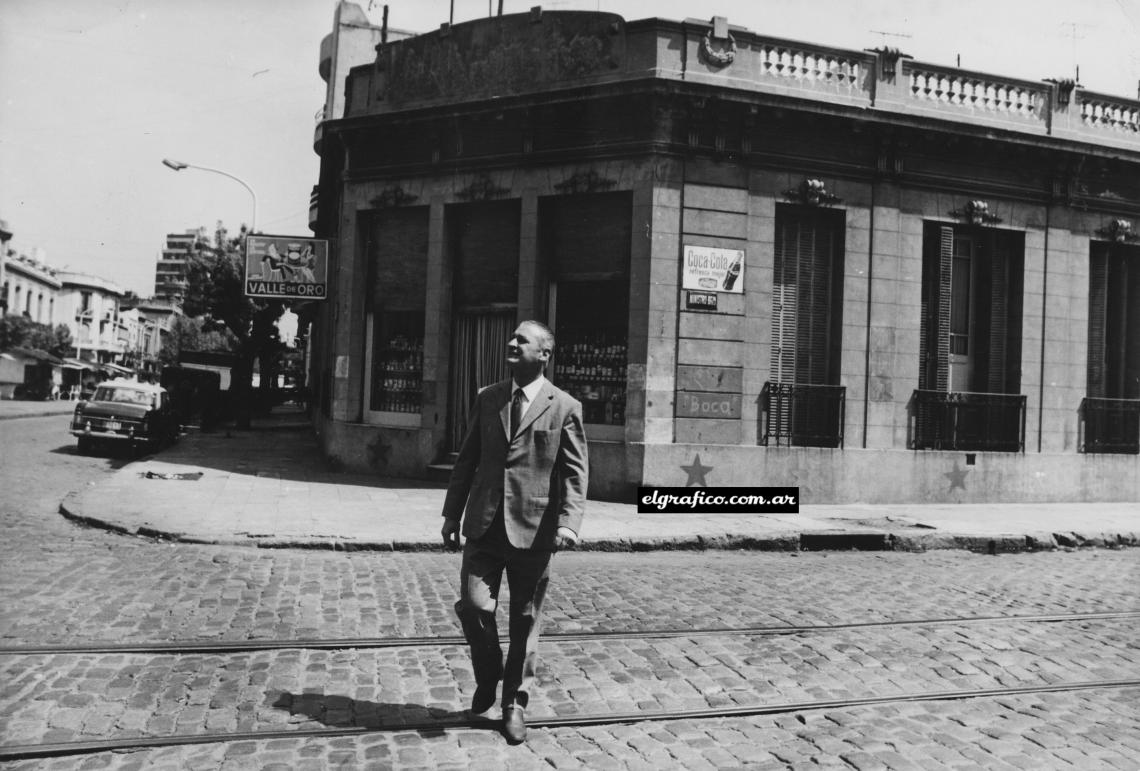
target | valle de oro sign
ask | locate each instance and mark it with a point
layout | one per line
(286, 267)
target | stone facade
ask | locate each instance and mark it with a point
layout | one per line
(919, 247)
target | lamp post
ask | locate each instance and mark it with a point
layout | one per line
(179, 166)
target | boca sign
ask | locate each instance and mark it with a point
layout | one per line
(286, 267)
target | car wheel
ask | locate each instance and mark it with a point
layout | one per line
(84, 445)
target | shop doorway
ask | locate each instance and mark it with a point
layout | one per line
(483, 251)
(478, 359)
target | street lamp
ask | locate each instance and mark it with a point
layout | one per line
(179, 166)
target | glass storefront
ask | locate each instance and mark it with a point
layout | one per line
(397, 260)
(585, 245)
(590, 357)
(398, 362)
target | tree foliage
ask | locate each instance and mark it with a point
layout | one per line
(22, 332)
(190, 334)
(215, 295)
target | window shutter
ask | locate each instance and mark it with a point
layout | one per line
(587, 233)
(398, 258)
(813, 338)
(484, 245)
(784, 297)
(1098, 312)
(999, 317)
(802, 298)
(934, 318)
(941, 344)
(1130, 323)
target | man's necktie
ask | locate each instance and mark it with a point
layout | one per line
(516, 411)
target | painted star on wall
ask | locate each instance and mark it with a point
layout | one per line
(957, 477)
(378, 453)
(696, 472)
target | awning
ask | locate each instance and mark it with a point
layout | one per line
(115, 369)
(37, 354)
(80, 364)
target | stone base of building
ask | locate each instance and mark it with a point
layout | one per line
(900, 476)
(823, 476)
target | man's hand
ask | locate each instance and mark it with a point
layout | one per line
(565, 539)
(450, 533)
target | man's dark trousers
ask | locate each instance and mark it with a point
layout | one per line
(528, 574)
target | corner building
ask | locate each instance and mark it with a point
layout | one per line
(767, 263)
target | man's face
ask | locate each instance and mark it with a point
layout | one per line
(526, 351)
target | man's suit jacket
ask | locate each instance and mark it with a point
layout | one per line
(540, 475)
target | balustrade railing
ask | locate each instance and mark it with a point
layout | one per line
(801, 415)
(970, 90)
(1109, 426)
(958, 420)
(884, 80)
(810, 65)
(1104, 112)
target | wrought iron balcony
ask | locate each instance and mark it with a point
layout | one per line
(1109, 425)
(801, 415)
(960, 420)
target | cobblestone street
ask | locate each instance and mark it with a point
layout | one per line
(68, 585)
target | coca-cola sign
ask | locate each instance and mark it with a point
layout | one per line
(710, 269)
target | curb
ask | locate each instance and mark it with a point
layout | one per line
(34, 415)
(830, 542)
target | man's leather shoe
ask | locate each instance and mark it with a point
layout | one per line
(514, 724)
(484, 698)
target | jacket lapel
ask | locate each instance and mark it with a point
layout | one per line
(541, 404)
(505, 409)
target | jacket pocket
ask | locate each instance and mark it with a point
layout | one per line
(546, 440)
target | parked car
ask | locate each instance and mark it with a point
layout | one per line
(125, 412)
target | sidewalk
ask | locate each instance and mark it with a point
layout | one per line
(16, 408)
(270, 487)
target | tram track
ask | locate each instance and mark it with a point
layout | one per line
(133, 744)
(442, 720)
(368, 643)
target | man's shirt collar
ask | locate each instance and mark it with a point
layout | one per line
(530, 391)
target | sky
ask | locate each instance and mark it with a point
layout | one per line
(95, 93)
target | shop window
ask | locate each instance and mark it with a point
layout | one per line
(591, 346)
(397, 258)
(585, 244)
(397, 362)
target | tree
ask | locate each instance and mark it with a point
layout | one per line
(22, 332)
(130, 300)
(215, 293)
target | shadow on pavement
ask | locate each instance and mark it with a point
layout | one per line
(116, 458)
(337, 711)
(290, 453)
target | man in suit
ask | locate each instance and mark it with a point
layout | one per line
(522, 472)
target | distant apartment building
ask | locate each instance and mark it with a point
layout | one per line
(5, 237)
(30, 289)
(170, 273)
(152, 321)
(89, 306)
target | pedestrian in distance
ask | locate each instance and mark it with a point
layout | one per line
(519, 487)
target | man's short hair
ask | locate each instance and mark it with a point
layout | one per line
(547, 334)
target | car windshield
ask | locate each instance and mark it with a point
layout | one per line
(123, 396)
